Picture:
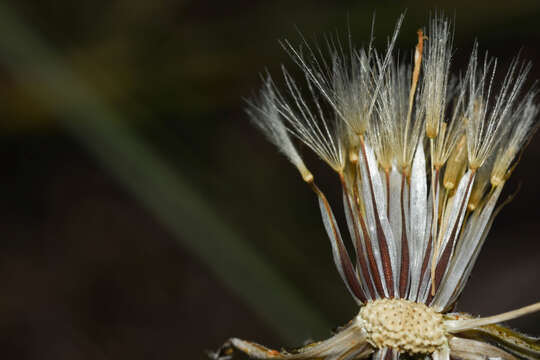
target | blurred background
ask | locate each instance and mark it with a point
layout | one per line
(143, 217)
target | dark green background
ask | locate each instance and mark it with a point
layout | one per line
(137, 203)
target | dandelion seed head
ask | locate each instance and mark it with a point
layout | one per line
(422, 157)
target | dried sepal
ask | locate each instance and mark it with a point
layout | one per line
(518, 344)
(467, 349)
(349, 343)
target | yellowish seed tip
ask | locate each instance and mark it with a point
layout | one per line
(416, 70)
(502, 168)
(477, 193)
(456, 164)
(353, 157)
(431, 130)
(405, 170)
(496, 181)
(308, 177)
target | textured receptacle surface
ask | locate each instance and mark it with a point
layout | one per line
(403, 325)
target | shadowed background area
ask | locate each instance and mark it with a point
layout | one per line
(143, 217)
